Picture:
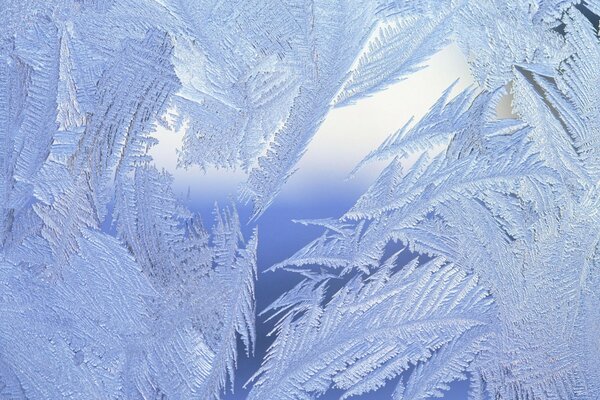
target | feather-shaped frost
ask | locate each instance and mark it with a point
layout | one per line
(500, 198)
(111, 288)
(371, 330)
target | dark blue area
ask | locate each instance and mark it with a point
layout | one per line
(280, 238)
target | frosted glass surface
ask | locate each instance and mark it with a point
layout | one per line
(286, 200)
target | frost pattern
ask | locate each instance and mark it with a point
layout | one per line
(112, 288)
(104, 272)
(374, 328)
(510, 202)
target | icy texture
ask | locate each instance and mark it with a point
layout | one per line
(373, 328)
(512, 203)
(111, 288)
(104, 276)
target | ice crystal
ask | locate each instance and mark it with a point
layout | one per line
(111, 287)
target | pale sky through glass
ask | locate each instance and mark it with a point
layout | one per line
(346, 135)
